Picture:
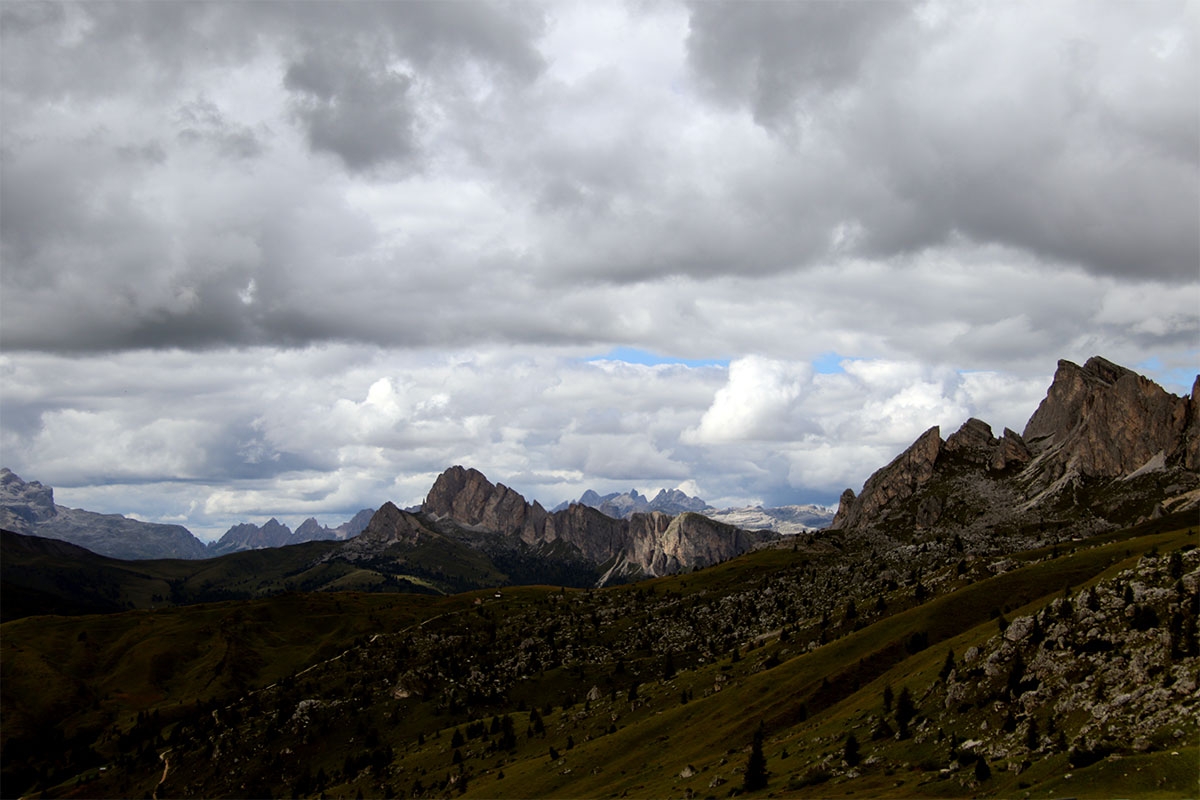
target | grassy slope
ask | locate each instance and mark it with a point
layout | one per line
(142, 661)
(645, 757)
(40, 578)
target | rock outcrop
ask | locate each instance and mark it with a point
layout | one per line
(1103, 420)
(1106, 446)
(898, 480)
(388, 526)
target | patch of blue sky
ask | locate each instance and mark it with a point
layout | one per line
(829, 363)
(633, 355)
(1174, 379)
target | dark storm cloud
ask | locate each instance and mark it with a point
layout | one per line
(1073, 140)
(774, 55)
(360, 112)
(685, 179)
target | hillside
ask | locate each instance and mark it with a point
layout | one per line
(553, 692)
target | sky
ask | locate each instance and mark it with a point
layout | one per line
(295, 259)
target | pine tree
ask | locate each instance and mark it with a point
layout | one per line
(905, 711)
(850, 753)
(947, 666)
(756, 766)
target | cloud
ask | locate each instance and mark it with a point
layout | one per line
(227, 436)
(758, 403)
(308, 255)
(357, 111)
(772, 56)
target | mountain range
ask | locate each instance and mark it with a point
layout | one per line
(789, 519)
(273, 533)
(29, 508)
(988, 616)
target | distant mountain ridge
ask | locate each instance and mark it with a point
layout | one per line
(273, 533)
(786, 520)
(782, 519)
(622, 505)
(1106, 447)
(29, 508)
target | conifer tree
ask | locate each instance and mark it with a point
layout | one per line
(850, 753)
(756, 766)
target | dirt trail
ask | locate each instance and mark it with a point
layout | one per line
(163, 779)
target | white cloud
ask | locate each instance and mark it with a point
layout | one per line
(756, 404)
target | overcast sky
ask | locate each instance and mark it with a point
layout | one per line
(296, 259)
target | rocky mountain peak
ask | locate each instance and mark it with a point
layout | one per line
(248, 536)
(24, 503)
(1097, 422)
(1104, 420)
(469, 498)
(391, 524)
(312, 531)
(29, 508)
(897, 481)
(974, 442)
(642, 544)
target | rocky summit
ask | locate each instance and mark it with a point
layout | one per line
(1106, 447)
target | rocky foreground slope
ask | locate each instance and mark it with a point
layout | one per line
(1106, 447)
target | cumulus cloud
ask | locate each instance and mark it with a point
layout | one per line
(757, 403)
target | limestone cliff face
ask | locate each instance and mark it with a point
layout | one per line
(646, 543)
(1191, 445)
(469, 498)
(1105, 441)
(897, 481)
(1103, 420)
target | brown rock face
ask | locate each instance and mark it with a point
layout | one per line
(389, 525)
(1103, 420)
(469, 498)
(1191, 445)
(974, 442)
(898, 480)
(1097, 422)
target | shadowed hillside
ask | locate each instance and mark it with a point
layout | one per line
(651, 689)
